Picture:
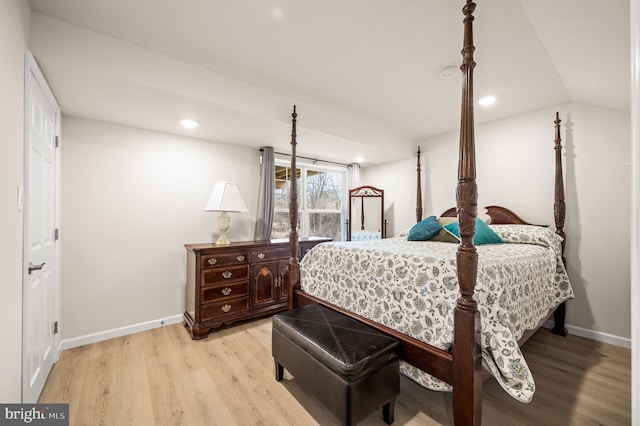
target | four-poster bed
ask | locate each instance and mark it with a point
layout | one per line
(458, 365)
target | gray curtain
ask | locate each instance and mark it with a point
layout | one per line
(353, 181)
(264, 220)
(353, 175)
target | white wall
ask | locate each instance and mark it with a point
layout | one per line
(515, 168)
(14, 30)
(398, 180)
(130, 200)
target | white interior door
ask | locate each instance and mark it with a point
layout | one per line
(40, 271)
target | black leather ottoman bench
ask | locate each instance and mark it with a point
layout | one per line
(351, 368)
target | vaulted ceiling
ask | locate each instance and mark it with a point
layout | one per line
(365, 74)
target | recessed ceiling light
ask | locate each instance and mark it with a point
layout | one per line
(449, 71)
(277, 13)
(359, 159)
(487, 100)
(189, 123)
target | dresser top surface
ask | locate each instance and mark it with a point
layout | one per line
(241, 244)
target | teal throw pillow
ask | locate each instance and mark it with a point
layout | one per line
(444, 235)
(483, 235)
(425, 229)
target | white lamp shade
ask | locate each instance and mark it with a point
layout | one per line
(225, 198)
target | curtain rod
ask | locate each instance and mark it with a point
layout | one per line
(309, 158)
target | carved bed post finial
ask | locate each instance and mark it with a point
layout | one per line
(467, 368)
(419, 190)
(294, 267)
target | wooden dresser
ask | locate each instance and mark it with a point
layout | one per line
(237, 282)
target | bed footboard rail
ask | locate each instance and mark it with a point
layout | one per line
(437, 362)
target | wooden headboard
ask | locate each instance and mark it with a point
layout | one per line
(499, 215)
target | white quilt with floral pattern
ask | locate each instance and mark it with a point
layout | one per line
(411, 286)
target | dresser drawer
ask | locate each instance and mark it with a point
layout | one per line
(225, 291)
(269, 253)
(221, 275)
(224, 308)
(224, 259)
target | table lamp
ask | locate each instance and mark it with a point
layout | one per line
(225, 198)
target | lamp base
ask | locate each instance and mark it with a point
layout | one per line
(223, 227)
(223, 240)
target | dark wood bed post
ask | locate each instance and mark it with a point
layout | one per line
(418, 190)
(294, 266)
(559, 213)
(467, 362)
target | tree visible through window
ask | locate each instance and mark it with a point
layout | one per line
(320, 195)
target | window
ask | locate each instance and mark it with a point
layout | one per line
(321, 192)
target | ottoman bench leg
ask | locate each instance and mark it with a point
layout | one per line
(388, 411)
(279, 371)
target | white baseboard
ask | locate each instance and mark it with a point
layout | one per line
(118, 332)
(135, 328)
(598, 336)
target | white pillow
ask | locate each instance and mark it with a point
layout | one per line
(404, 232)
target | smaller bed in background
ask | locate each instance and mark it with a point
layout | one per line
(365, 235)
(373, 226)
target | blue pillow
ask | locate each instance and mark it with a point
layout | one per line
(483, 235)
(425, 229)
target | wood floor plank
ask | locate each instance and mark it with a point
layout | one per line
(129, 373)
(162, 377)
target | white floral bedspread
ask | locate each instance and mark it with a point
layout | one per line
(411, 286)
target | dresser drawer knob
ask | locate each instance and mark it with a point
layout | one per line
(240, 258)
(212, 261)
(261, 256)
(227, 274)
(226, 291)
(226, 308)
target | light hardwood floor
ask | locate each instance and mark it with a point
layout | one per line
(162, 377)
